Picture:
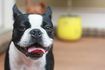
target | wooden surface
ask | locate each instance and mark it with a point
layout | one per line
(86, 54)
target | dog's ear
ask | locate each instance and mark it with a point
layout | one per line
(16, 11)
(48, 12)
(48, 15)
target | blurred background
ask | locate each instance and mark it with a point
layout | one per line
(79, 30)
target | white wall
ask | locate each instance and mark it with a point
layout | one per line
(91, 18)
(1, 11)
(8, 14)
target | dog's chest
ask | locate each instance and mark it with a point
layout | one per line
(31, 67)
(19, 61)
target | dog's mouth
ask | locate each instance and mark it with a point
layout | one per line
(34, 51)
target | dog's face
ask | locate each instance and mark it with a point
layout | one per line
(32, 33)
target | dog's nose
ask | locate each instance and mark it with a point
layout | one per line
(36, 33)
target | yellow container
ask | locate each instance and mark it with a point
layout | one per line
(69, 28)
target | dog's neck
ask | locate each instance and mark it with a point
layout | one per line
(18, 61)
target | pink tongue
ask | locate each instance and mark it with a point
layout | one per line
(36, 50)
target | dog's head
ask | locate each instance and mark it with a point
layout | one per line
(32, 33)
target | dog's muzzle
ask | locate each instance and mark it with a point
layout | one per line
(33, 51)
(36, 49)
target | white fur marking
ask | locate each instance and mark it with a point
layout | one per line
(35, 20)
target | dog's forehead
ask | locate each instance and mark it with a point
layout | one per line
(35, 20)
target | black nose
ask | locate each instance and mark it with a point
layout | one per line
(36, 33)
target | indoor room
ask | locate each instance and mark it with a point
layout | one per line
(78, 27)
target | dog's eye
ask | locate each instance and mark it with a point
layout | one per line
(21, 28)
(48, 27)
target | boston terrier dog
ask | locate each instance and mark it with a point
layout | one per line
(32, 41)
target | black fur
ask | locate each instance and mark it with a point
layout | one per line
(6, 64)
(50, 60)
